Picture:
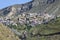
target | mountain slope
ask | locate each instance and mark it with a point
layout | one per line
(35, 20)
(34, 6)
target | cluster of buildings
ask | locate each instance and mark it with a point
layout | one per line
(35, 18)
(28, 18)
(7, 21)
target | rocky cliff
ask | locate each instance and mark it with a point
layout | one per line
(32, 6)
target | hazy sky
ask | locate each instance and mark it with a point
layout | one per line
(5, 3)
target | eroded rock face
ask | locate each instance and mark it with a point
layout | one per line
(5, 11)
(20, 8)
(50, 1)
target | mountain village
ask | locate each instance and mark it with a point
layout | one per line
(29, 18)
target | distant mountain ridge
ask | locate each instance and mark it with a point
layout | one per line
(32, 6)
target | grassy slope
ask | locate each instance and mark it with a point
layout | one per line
(52, 27)
(6, 33)
(46, 29)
